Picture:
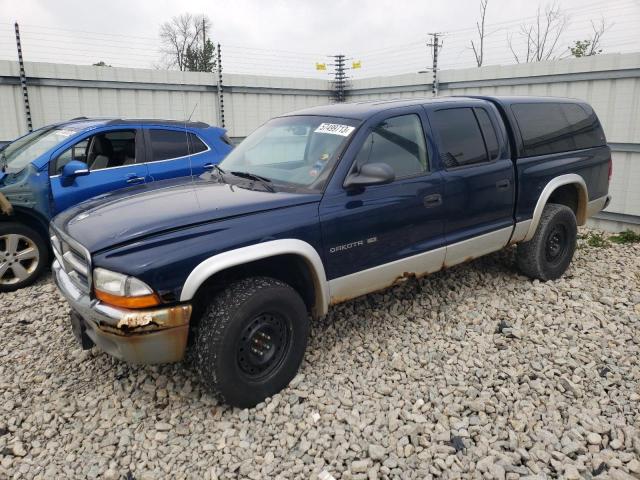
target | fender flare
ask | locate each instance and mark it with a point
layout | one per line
(231, 258)
(568, 179)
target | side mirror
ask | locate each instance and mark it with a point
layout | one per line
(371, 174)
(73, 169)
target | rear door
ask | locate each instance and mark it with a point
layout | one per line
(112, 157)
(478, 181)
(175, 152)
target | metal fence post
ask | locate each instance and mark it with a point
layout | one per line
(220, 92)
(23, 80)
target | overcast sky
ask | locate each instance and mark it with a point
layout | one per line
(75, 31)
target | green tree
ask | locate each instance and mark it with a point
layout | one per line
(590, 46)
(201, 59)
(582, 48)
(185, 43)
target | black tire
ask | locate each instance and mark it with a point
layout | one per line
(548, 254)
(28, 239)
(250, 340)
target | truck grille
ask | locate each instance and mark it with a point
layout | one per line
(74, 259)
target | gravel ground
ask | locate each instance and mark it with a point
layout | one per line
(472, 372)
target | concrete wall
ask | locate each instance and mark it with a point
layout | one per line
(60, 92)
(611, 83)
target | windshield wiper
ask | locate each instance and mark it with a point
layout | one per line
(264, 181)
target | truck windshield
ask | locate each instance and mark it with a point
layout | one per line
(297, 151)
(21, 152)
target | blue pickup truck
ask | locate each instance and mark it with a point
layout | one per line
(318, 207)
(57, 166)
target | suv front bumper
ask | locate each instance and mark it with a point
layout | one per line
(135, 336)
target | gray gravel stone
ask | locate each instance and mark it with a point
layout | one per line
(389, 383)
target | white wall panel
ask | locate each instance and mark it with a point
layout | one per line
(610, 83)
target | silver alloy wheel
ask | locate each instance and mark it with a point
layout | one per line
(19, 258)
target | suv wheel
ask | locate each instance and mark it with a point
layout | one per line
(548, 254)
(250, 340)
(23, 255)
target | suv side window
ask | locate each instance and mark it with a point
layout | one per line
(115, 148)
(167, 144)
(195, 144)
(75, 152)
(399, 142)
(461, 141)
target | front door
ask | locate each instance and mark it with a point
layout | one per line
(111, 157)
(379, 234)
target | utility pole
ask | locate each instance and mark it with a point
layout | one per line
(436, 44)
(23, 80)
(203, 58)
(339, 79)
(220, 93)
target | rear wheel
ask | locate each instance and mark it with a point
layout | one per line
(23, 255)
(250, 340)
(548, 254)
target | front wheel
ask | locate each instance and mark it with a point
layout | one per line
(548, 254)
(250, 341)
(23, 256)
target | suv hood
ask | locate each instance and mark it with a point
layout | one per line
(125, 215)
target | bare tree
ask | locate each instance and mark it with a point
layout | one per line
(540, 37)
(181, 36)
(478, 50)
(590, 46)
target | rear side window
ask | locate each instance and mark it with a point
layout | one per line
(488, 132)
(461, 141)
(557, 127)
(196, 145)
(166, 144)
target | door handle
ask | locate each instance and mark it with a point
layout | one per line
(503, 184)
(208, 166)
(431, 201)
(134, 179)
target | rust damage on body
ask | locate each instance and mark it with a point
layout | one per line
(145, 321)
(152, 336)
(5, 205)
(400, 279)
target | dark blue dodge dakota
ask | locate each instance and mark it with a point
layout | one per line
(318, 207)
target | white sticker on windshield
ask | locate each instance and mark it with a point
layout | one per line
(335, 129)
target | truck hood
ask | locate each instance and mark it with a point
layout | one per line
(129, 214)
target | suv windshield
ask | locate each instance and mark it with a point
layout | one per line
(296, 151)
(23, 151)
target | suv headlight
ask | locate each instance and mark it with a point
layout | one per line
(122, 290)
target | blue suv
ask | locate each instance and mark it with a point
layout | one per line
(55, 167)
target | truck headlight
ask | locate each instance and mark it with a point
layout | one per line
(122, 290)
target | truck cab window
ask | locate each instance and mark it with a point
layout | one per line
(399, 142)
(488, 133)
(461, 141)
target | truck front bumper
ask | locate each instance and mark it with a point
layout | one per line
(135, 336)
